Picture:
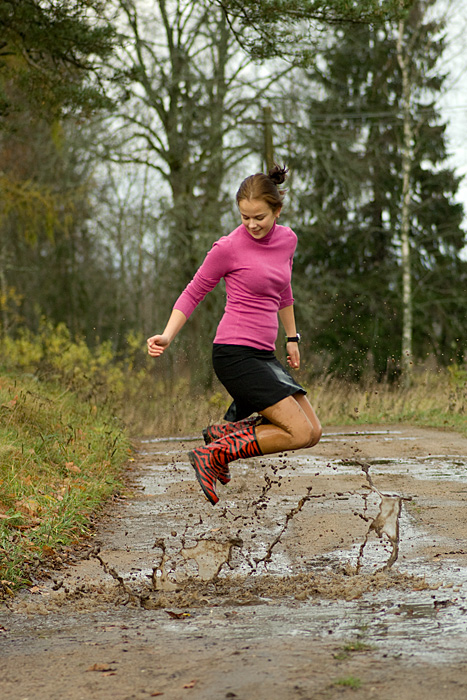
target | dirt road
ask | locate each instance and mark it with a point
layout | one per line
(284, 589)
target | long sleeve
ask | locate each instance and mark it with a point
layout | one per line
(214, 267)
(287, 298)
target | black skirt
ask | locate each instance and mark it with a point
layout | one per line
(254, 378)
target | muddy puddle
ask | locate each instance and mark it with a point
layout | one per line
(362, 539)
(378, 588)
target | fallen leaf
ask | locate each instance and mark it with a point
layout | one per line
(100, 667)
(156, 694)
(177, 616)
(191, 684)
(48, 551)
(72, 467)
(28, 505)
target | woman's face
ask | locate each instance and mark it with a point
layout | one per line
(257, 217)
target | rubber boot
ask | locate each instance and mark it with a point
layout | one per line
(214, 432)
(209, 462)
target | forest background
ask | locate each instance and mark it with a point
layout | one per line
(126, 127)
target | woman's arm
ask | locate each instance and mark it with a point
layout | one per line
(215, 266)
(287, 317)
(158, 343)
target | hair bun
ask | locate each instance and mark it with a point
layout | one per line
(277, 174)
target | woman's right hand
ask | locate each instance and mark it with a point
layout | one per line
(157, 344)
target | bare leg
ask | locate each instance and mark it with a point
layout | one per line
(308, 409)
(293, 425)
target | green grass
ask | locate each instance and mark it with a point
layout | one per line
(349, 682)
(60, 458)
(351, 648)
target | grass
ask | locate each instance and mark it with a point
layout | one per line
(349, 682)
(435, 399)
(351, 648)
(60, 458)
(156, 398)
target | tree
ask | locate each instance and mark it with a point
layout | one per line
(52, 263)
(188, 95)
(361, 196)
(50, 51)
(50, 54)
(292, 29)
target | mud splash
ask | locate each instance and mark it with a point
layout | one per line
(386, 522)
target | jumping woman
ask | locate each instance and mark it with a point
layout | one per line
(256, 262)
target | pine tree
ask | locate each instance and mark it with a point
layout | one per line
(290, 27)
(349, 262)
(49, 55)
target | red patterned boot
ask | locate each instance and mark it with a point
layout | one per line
(214, 432)
(210, 462)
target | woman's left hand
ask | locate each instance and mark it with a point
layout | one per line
(293, 355)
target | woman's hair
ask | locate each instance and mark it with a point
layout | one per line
(265, 187)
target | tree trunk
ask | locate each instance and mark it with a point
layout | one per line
(407, 157)
(268, 139)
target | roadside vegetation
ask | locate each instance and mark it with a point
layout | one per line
(62, 451)
(436, 398)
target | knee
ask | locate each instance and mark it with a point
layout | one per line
(305, 436)
(314, 435)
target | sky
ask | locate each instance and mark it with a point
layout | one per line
(453, 104)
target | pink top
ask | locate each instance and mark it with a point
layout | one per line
(257, 277)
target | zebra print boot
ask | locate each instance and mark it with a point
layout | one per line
(214, 432)
(210, 462)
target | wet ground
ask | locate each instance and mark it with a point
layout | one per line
(335, 572)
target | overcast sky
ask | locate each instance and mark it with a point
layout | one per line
(454, 102)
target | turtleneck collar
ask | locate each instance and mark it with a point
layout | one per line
(262, 241)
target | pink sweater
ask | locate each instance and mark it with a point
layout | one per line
(257, 277)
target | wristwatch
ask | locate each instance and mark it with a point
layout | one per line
(293, 338)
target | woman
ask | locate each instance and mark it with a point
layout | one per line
(256, 262)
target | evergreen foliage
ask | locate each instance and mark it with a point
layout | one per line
(349, 256)
(291, 27)
(49, 49)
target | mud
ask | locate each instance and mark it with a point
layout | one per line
(335, 572)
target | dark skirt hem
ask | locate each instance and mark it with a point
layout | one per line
(254, 378)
